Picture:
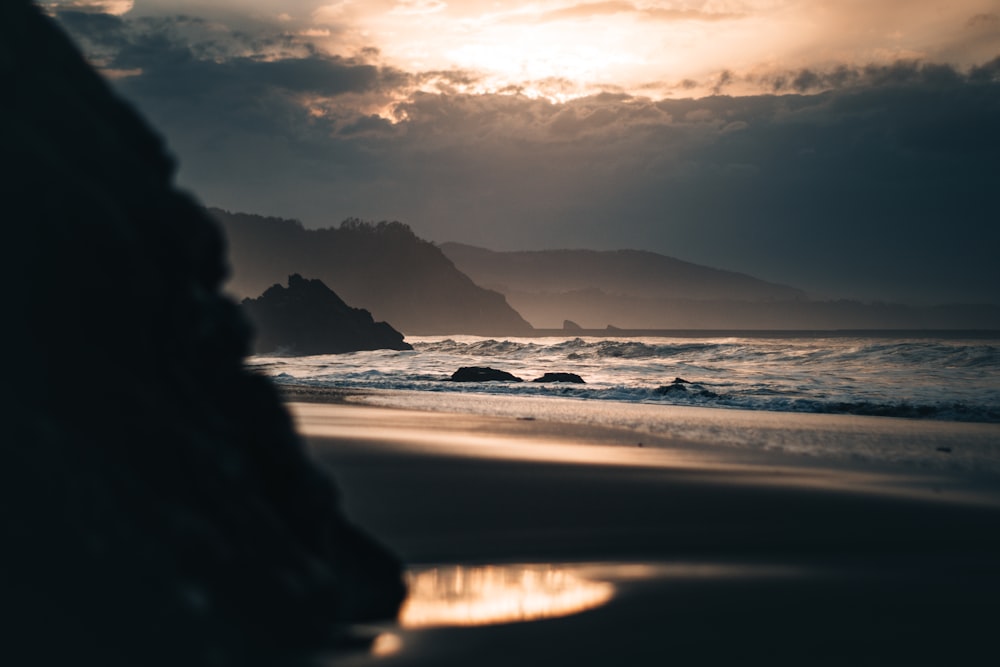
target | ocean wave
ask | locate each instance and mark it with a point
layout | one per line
(915, 379)
(765, 399)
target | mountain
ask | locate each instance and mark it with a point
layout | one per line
(635, 273)
(634, 289)
(384, 268)
(307, 317)
(630, 288)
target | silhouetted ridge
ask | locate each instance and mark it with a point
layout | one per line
(157, 506)
(307, 317)
(636, 273)
(564, 289)
(382, 267)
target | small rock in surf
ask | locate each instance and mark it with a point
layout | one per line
(482, 374)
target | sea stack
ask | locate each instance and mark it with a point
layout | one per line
(307, 317)
(158, 507)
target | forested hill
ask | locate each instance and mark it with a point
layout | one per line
(384, 268)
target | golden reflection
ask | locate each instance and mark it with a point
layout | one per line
(492, 594)
(386, 644)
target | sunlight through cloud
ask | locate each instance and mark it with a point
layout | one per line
(114, 7)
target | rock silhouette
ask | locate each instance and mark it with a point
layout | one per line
(157, 506)
(482, 374)
(307, 317)
(678, 386)
(560, 377)
(383, 267)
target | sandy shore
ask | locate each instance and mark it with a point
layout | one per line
(712, 556)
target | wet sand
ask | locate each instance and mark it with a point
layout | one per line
(715, 556)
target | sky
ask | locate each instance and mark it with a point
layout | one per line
(845, 147)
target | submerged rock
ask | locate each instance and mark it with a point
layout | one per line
(678, 387)
(158, 506)
(560, 377)
(482, 374)
(308, 317)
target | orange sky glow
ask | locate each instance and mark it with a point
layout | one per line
(566, 49)
(561, 50)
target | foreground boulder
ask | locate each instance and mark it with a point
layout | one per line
(482, 374)
(156, 505)
(560, 377)
(308, 317)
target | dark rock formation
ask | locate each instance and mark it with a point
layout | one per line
(156, 505)
(570, 325)
(482, 374)
(678, 387)
(307, 317)
(560, 377)
(384, 267)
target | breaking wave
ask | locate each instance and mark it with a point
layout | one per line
(931, 378)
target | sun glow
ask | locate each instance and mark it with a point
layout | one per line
(529, 50)
(561, 49)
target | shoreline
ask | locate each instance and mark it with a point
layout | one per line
(947, 334)
(883, 568)
(970, 450)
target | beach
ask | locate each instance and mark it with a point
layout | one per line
(676, 552)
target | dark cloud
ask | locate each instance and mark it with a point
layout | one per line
(980, 20)
(725, 78)
(877, 182)
(175, 63)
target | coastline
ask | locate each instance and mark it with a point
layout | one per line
(839, 562)
(612, 332)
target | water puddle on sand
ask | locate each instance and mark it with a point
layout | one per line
(481, 595)
(458, 595)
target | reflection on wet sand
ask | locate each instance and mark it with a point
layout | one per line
(492, 594)
(482, 595)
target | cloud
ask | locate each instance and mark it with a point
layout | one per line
(189, 56)
(112, 7)
(984, 20)
(875, 181)
(414, 7)
(598, 9)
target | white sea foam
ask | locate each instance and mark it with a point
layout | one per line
(925, 378)
(928, 445)
(815, 396)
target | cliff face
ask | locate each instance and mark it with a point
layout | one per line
(307, 317)
(157, 506)
(383, 268)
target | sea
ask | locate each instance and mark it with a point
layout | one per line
(930, 399)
